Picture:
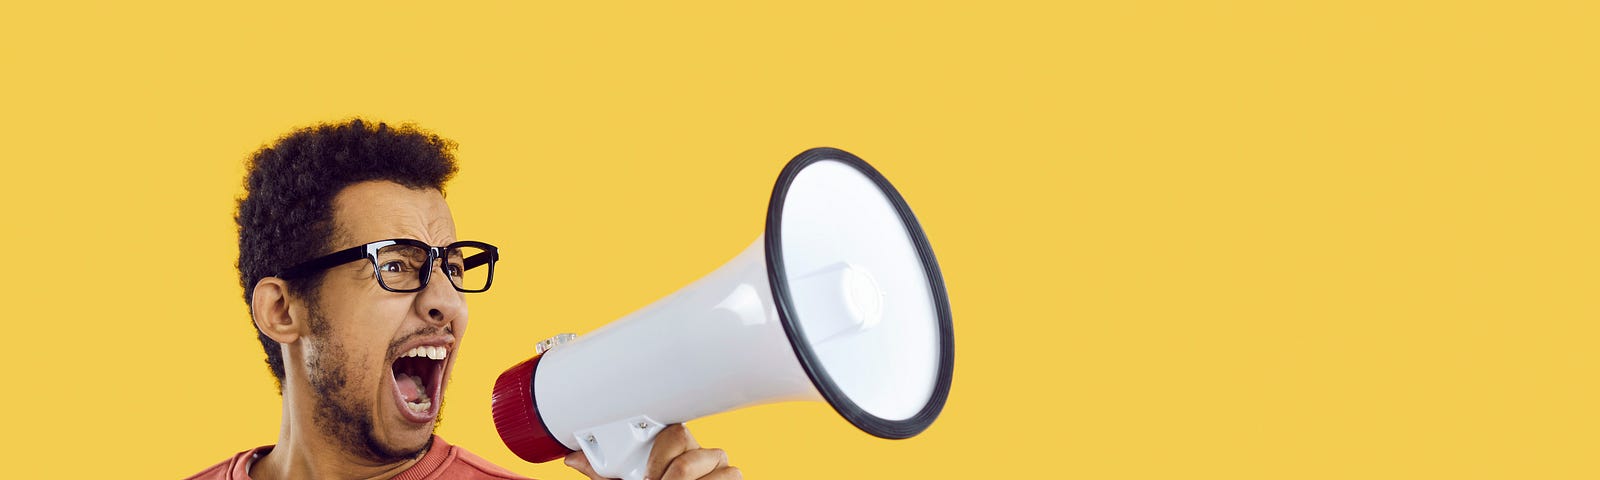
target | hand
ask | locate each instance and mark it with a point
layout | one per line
(674, 456)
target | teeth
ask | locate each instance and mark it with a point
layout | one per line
(435, 353)
(419, 407)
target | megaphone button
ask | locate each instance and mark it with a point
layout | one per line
(549, 343)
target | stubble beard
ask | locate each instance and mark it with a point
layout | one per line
(340, 413)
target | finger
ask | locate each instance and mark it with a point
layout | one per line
(695, 464)
(671, 442)
(724, 473)
(580, 462)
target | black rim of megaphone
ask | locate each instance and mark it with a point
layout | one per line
(786, 310)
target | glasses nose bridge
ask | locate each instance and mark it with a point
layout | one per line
(441, 256)
(434, 255)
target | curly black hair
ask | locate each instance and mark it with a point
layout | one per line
(286, 214)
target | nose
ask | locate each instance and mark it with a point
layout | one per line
(439, 303)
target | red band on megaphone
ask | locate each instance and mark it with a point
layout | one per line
(516, 416)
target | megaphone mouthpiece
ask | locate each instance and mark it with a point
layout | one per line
(516, 416)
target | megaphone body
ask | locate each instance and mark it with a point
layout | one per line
(839, 300)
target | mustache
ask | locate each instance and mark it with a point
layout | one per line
(394, 346)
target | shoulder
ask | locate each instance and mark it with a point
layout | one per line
(464, 465)
(226, 470)
(472, 462)
(218, 472)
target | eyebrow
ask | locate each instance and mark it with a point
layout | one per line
(408, 251)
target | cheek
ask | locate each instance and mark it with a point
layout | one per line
(371, 316)
(362, 336)
(352, 356)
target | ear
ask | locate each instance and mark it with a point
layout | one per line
(270, 306)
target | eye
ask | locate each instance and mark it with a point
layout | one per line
(396, 266)
(453, 269)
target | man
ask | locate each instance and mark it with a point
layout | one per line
(356, 283)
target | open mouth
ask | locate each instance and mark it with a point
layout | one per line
(419, 381)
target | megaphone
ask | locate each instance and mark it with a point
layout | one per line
(839, 300)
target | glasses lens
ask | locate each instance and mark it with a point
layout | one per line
(469, 267)
(400, 266)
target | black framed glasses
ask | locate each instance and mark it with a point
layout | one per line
(403, 265)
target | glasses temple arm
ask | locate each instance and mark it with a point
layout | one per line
(477, 260)
(325, 262)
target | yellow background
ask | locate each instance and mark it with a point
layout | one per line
(1241, 240)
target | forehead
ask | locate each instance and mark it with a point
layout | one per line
(377, 210)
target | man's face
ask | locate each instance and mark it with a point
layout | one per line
(373, 390)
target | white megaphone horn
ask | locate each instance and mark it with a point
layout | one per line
(840, 300)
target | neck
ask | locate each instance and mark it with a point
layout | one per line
(304, 452)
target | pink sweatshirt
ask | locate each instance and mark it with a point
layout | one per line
(442, 462)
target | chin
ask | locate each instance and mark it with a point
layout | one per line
(394, 438)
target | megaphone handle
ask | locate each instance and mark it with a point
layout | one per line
(620, 449)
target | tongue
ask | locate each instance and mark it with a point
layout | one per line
(408, 387)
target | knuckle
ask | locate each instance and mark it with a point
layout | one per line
(677, 470)
(677, 431)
